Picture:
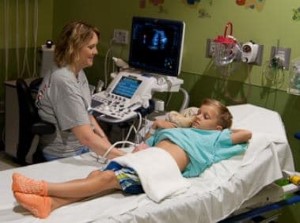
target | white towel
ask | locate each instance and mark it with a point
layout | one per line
(158, 172)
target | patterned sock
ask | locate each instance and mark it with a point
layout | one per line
(39, 206)
(28, 186)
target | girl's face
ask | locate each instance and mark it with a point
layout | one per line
(87, 53)
(207, 118)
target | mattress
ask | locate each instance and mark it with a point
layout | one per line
(214, 195)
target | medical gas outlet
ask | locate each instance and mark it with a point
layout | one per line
(280, 57)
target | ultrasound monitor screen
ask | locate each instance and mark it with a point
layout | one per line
(156, 45)
(126, 87)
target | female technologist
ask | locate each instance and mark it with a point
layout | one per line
(64, 97)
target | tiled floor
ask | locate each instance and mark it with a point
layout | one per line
(6, 162)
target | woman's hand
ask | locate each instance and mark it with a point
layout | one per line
(140, 147)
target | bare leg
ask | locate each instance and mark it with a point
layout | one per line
(60, 194)
(97, 182)
(42, 206)
(61, 201)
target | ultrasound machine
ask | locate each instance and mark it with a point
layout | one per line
(155, 62)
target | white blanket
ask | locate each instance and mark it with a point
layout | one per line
(158, 171)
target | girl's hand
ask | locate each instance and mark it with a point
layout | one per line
(163, 124)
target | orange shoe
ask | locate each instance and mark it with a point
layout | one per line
(39, 206)
(26, 185)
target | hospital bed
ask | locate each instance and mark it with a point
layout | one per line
(226, 188)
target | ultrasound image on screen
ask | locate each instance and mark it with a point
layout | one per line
(126, 87)
(156, 45)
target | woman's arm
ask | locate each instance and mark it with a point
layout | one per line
(97, 129)
(87, 137)
(240, 135)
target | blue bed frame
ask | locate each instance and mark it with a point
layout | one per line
(258, 212)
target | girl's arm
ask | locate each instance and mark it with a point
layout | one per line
(160, 124)
(240, 135)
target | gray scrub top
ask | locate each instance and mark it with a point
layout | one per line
(63, 100)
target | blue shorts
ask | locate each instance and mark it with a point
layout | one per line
(128, 178)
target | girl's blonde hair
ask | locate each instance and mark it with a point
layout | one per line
(71, 39)
(224, 115)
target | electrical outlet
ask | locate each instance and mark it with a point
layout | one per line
(120, 36)
(280, 57)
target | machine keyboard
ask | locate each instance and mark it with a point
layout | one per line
(113, 108)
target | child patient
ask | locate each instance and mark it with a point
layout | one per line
(207, 141)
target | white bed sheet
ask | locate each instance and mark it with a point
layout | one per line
(217, 193)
